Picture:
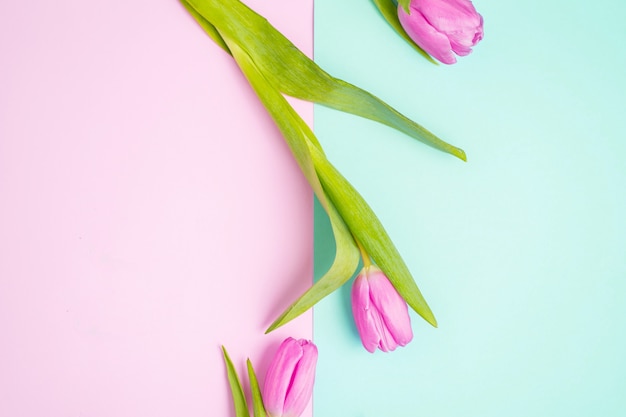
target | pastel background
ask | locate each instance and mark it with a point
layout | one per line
(520, 251)
(149, 211)
(143, 224)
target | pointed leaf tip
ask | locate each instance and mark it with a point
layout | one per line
(236, 390)
(257, 398)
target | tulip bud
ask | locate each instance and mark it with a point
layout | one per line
(289, 380)
(380, 313)
(443, 27)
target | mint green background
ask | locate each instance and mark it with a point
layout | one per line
(521, 251)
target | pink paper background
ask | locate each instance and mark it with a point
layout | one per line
(149, 211)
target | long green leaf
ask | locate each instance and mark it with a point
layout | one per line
(389, 10)
(301, 140)
(304, 146)
(206, 25)
(343, 267)
(368, 230)
(239, 399)
(293, 73)
(352, 208)
(405, 4)
(257, 399)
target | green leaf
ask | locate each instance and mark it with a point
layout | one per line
(301, 141)
(343, 267)
(405, 4)
(348, 212)
(389, 10)
(352, 208)
(293, 73)
(369, 231)
(257, 399)
(239, 399)
(206, 25)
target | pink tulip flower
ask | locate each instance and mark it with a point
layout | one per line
(443, 28)
(380, 313)
(289, 380)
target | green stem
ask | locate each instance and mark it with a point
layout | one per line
(367, 261)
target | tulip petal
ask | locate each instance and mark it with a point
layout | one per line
(386, 342)
(301, 387)
(426, 36)
(389, 10)
(380, 313)
(458, 47)
(393, 309)
(278, 377)
(457, 20)
(464, 38)
(449, 16)
(362, 312)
